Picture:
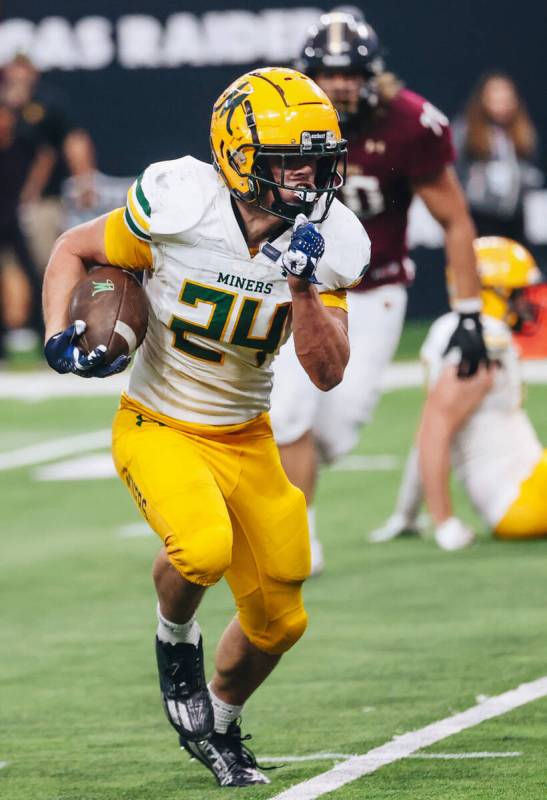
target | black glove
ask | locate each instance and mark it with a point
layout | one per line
(468, 339)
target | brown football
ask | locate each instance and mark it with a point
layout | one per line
(114, 307)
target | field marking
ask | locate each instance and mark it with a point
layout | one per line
(375, 463)
(94, 466)
(407, 744)
(345, 756)
(44, 384)
(134, 530)
(457, 756)
(3, 764)
(38, 385)
(310, 757)
(55, 448)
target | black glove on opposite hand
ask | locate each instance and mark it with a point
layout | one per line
(468, 338)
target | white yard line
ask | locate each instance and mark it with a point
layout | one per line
(134, 530)
(3, 764)
(407, 744)
(345, 756)
(92, 466)
(55, 448)
(381, 462)
(310, 757)
(44, 384)
(457, 756)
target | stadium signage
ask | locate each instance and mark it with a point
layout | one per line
(142, 41)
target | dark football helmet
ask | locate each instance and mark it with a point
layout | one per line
(343, 42)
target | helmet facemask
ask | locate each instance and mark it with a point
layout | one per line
(330, 173)
(522, 313)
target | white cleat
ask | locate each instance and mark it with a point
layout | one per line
(453, 535)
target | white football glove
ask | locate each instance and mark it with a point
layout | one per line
(452, 534)
(395, 526)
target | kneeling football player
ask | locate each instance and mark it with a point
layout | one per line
(479, 425)
(234, 253)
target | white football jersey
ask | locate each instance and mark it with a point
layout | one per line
(497, 447)
(218, 315)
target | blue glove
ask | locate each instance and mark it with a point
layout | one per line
(63, 355)
(306, 248)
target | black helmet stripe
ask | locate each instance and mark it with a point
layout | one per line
(250, 120)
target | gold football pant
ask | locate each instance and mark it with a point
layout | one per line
(526, 518)
(219, 499)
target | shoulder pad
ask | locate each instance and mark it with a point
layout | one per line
(178, 193)
(347, 249)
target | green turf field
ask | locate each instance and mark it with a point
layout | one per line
(401, 635)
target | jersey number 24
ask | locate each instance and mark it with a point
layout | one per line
(222, 305)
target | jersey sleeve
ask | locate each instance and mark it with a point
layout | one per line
(138, 210)
(123, 247)
(335, 299)
(430, 148)
(347, 251)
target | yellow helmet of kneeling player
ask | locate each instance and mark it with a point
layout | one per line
(278, 113)
(505, 269)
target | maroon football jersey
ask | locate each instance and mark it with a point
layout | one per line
(410, 142)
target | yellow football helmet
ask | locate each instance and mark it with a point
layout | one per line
(277, 113)
(505, 268)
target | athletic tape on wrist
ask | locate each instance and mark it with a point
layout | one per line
(468, 305)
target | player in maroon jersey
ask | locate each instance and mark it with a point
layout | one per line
(399, 145)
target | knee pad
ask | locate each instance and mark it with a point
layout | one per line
(274, 635)
(284, 632)
(202, 557)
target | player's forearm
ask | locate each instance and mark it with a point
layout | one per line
(459, 235)
(74, 251)
(63, 272)
(320, 339)
(434, 440)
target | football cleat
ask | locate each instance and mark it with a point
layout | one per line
(225, 755)
(184, 691)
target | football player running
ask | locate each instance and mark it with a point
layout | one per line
(398, 145)
(233, 255)
(478, 425)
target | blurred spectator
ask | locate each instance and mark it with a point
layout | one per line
(55, 147)
(14, 159)
(497, 148)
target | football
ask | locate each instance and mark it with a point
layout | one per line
(114, 307)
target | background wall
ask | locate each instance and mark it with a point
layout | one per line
(110, 59)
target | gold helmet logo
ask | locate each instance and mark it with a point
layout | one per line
(277, 113)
